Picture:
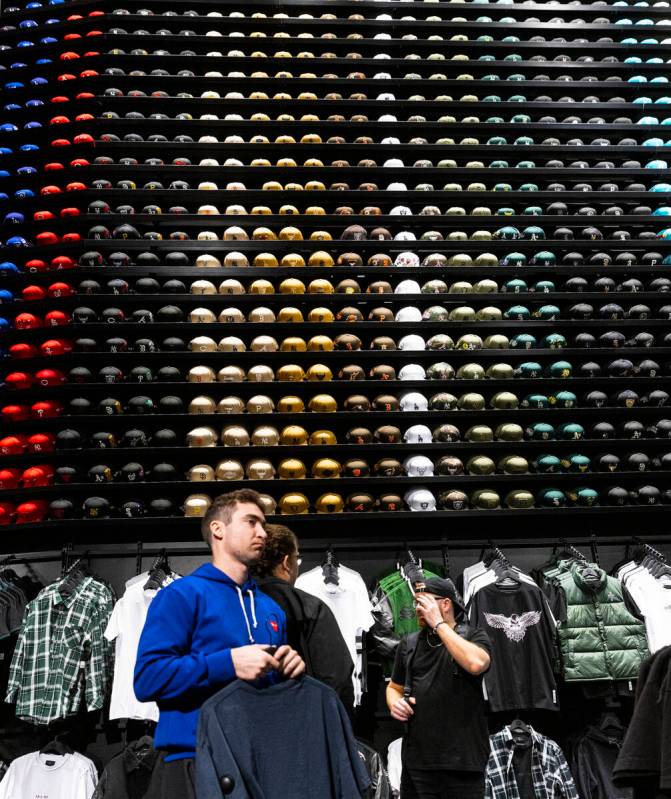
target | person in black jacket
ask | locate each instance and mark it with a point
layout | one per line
(312, 629)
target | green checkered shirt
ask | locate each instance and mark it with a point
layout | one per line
(61, 655)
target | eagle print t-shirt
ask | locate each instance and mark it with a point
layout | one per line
(521, 628)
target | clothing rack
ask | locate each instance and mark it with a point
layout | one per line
(392, 546)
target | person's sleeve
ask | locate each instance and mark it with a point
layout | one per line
(113, 628)
(16, 668)
(7, 785)
(398, 673)
(489, 783)
(165, 668)
(480, 638)
(98, 667)
(215, 760)
(566, 783)
(330, 659)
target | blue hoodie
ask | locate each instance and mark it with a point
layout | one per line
(184, 654)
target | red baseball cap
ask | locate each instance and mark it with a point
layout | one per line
(15, 413)
(60, 98)
(46, 409)
(13, 445)
(30, 512)
(55, 346)
(84, 96)
(61, 143)
(36, 265)
(67, 76)
(80, 162)
(41, 442)
(69, 238)
(46, 238)
(36, 477)
(27, 321)
(57, 318)
(50, 189)
(7, 512)
(23, 350)
(69, 55)
(63, 262)
(53, 166)
(76, 185)
(42, 216)
(50, 377)
(60, 119)
(61, 290)
(19, 380)
(33, 293)
(9, 479)
(70, 211)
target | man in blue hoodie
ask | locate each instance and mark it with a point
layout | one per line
(205, 630)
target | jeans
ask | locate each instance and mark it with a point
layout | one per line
(173, 780)
(416, 784)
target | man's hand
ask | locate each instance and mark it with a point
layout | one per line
(291, 663)
(401, 710)
(428, 609)
(253, 661)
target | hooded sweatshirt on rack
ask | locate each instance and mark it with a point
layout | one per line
(184, 654)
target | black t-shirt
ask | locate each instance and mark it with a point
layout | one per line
(519, 624)
(522, 769)
(448, 729)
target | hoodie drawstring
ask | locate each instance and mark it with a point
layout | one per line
(244, 612)
(253, 607)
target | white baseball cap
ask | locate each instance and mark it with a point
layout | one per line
(393, 162)
(418, 434)
(405, 235)
(412, 341)
(418, 466)
(408, 287)
(385, 96)
(413, 401)
(390, 140)
(400, 210)
(412, 371)
(396, 186)
(408, 314)
(406, 259)
(419, 499)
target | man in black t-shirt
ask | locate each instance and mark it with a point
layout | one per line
(436, 688)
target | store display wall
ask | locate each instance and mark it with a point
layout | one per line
(399, 266)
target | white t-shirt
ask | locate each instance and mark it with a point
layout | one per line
(38, 776)
(653, 598)
(395, 765)
(125, 627)
(350, 604)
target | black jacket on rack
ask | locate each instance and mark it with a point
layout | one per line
(645, 759)
(312, 630)
(592, 762)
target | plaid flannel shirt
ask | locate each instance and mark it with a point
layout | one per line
(550, 773)
(61, 655)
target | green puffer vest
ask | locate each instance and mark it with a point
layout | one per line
(600, 639)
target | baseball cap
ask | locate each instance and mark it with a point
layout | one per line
(446, 589)
(420, 499)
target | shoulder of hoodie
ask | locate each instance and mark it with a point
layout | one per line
(192, 586)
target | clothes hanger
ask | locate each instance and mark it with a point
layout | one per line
(158, 572)
(56, 747)
(610, 724)
(330, 566)
(520, 731)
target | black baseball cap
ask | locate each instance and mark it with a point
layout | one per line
(445, 588)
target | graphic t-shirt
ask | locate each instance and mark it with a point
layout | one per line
(522, 633)
(448, 729)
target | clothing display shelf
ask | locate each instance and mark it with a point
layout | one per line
(511, 159)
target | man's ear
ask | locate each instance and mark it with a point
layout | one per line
(286, 563)
(217, 528)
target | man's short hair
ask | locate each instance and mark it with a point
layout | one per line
(280, 542)
(223, 506)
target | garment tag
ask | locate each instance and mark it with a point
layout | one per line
(554, 695)
(631, 685)
(49, 762)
